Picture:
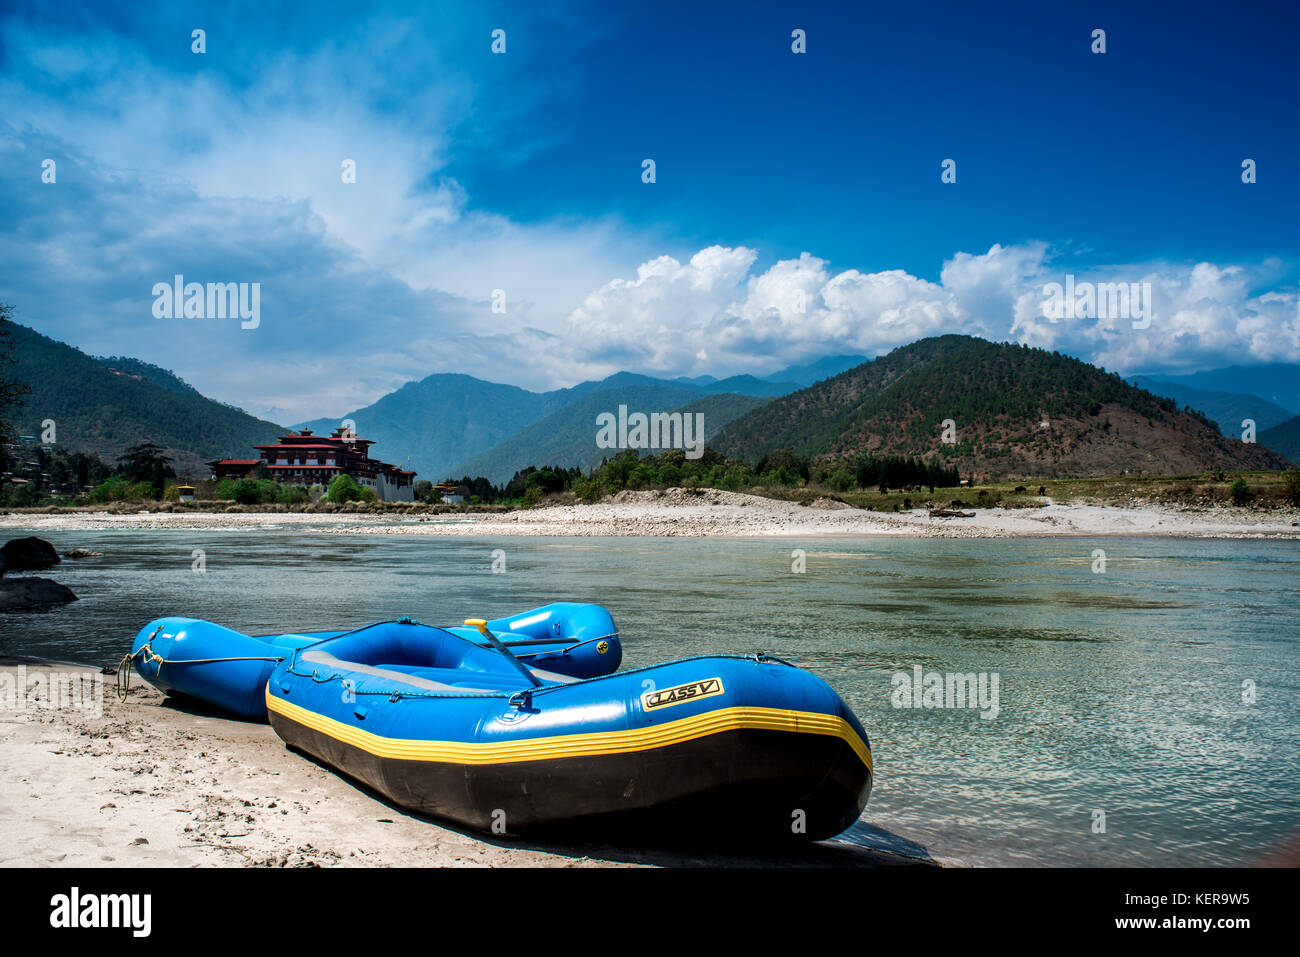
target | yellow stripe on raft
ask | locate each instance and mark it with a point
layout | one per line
(577, 745)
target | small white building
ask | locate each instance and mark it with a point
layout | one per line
(452, 494)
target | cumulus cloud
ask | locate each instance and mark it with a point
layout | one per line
(654, 321)
(1202, 315)
(712, 314)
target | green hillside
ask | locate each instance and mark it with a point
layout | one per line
(106, 405)
(998, 396)
(148, 372)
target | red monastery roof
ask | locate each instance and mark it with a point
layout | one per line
(304, 445)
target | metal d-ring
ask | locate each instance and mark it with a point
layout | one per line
(521, 699)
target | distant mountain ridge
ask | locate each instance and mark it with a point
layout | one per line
(444, 425)
(813, 372)
(567, 436)
(796, 376)
(997, 397)
(1278, 382)
(434, 422)
(1283, 439)
(1227, 409)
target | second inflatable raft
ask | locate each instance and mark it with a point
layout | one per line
(224, 667)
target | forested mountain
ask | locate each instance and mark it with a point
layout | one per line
(1014, 411)
(106, 405)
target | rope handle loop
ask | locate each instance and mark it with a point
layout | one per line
(122, 680)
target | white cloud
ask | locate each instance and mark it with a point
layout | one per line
(713, 315)
(1203, 315)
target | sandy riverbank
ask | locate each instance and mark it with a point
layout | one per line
(717, 513)
(147, 783)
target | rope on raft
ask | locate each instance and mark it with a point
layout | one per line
(122, 682)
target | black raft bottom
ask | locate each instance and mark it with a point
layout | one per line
(742, 784)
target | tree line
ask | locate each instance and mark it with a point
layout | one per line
(630, 469)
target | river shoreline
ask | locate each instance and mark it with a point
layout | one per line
(713, 513)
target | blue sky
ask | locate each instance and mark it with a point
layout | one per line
(797, 210)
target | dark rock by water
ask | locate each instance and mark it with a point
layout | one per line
(28, 555)
(20, 594)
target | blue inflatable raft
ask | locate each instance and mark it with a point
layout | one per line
(199, 659)
(452, 723)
